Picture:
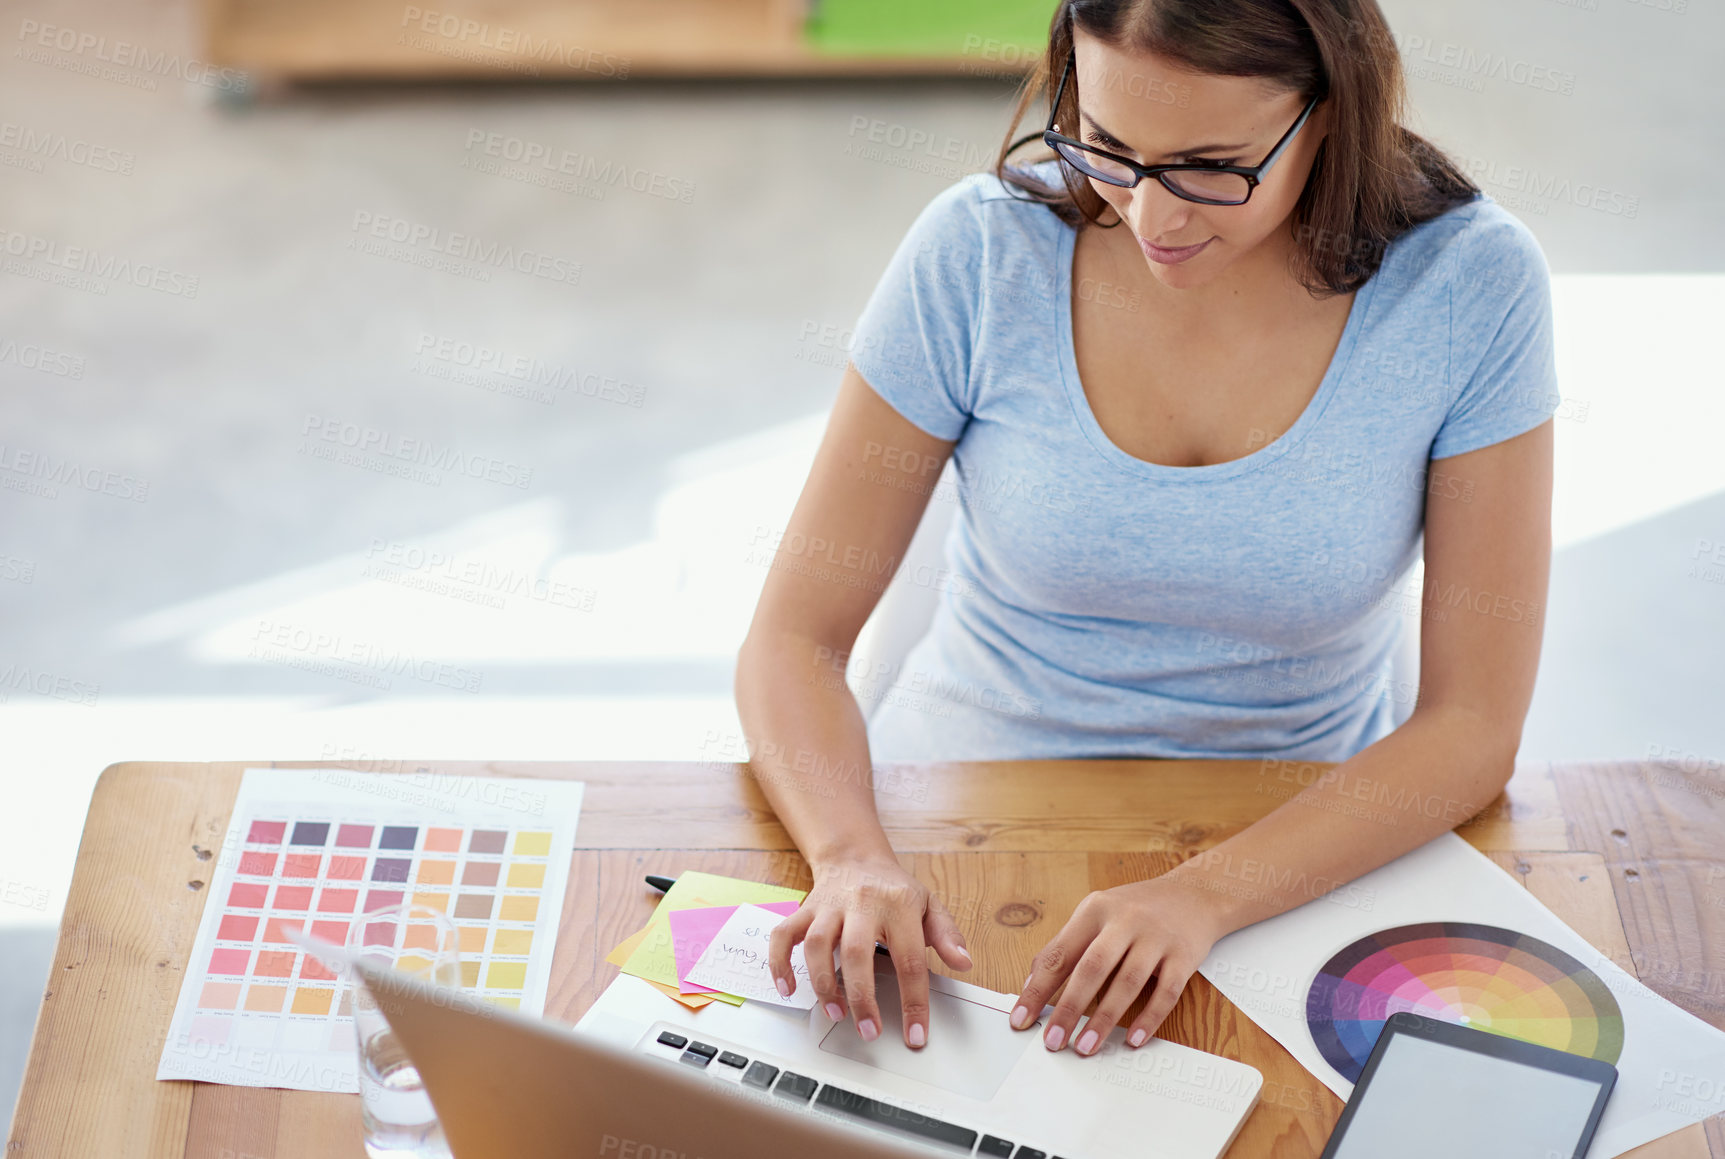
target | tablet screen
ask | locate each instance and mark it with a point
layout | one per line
(1431, 1101)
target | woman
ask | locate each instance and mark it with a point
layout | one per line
(1208, 377)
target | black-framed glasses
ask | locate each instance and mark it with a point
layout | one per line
(1205, 183)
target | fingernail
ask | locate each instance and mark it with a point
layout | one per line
(1020, 1016)
(834, 1012)
(784, 986)
(1056, 1035)
(963, 953)
(917, 1035)
(1087, 1042)
(1137, 1037)
(868, 1030)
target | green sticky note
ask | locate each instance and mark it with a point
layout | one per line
(927, 27)
(655, 959)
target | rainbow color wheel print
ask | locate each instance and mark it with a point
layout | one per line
(1492, 979)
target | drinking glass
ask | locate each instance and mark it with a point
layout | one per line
(396, 1113)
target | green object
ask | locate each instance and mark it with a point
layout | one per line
(999, 31)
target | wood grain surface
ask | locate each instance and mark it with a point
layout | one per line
(1631, 855)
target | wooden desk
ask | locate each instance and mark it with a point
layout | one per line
(596, 41)
(1632, 856)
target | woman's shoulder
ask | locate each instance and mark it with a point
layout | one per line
(1475, 248)
(979, 232)
(982, 203)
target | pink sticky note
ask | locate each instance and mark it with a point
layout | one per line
(693, 929)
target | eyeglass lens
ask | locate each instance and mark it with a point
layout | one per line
(1231, 187)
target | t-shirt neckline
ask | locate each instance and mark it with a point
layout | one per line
(1261, 457)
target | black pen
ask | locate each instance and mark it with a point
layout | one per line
(664, 884)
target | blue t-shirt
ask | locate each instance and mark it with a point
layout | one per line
(1103, 606)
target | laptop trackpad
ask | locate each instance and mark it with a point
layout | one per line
(970, 1050)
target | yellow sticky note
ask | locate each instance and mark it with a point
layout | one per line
(654, 959)
(626, 947)
(692, 1001)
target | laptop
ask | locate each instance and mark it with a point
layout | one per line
(640, 1075)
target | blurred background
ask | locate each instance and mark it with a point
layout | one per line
(387, 381)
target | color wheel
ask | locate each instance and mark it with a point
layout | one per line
(1492, 979)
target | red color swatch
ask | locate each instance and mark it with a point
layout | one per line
(246, 895)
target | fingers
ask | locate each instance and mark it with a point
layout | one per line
(818, 949)
(1082, 984)
(856, 960)
(1052, 966)
(1129, 981)
(1171, 978)
(904, 939)
(941, 932)
(784, 937)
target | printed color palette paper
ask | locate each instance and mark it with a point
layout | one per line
(316, 849)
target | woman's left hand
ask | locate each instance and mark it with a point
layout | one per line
(1162, 929)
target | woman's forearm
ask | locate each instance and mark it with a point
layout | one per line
(808, 746)
(1434, 772)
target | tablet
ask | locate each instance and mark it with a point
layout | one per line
(1437, 1090)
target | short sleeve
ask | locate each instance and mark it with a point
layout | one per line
(913, 340)
(1500, 305)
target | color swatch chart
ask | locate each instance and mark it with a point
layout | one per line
(308, 851)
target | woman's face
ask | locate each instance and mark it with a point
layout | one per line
(1152, 111)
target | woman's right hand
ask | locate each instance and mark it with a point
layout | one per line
(856, 902)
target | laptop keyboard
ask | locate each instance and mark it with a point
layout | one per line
(803, 1090)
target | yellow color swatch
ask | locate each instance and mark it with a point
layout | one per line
(519, 909)
(512, 942)
(473, 939)
(511, 1002)
(312, 1001)
(524, 875)
(437, 901)
(532, 844)
(506, 976)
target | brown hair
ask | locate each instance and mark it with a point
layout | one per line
(1372, 180)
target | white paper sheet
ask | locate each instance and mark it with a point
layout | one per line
(735, 961)
(255, 1010)
(1671, 1072)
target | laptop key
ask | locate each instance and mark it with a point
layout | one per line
(795, 1086)
(1029, 1153)
(666, 1038)
(703, 1049)
(879, 1114)
(761, 1075)
(694, 1059)
(994, 1145)
(732, 1058)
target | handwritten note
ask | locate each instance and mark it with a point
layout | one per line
(735, 961)
(692, 932)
